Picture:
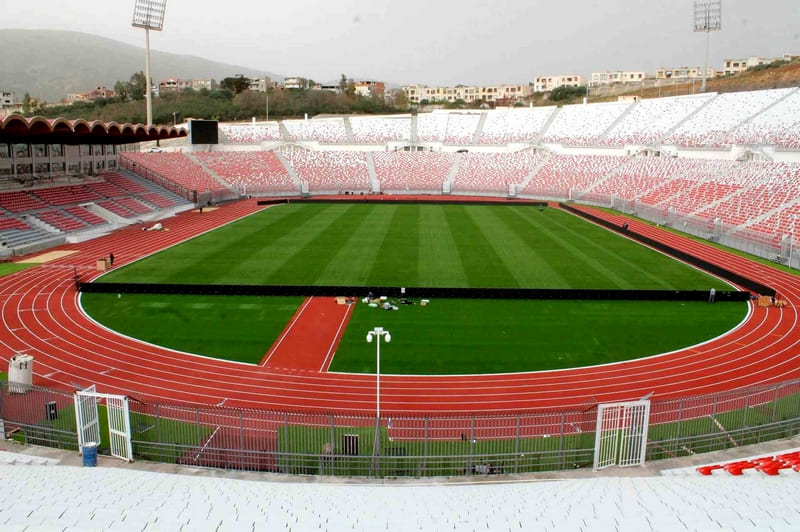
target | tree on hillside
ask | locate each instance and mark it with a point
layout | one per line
(26, 104)
(236, 84)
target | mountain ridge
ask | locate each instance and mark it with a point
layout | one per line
(48, 64)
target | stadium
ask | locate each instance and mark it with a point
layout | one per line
(446, 295)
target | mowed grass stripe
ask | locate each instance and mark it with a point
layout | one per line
(312, 255)
(514, 240)
(439, 261)
(484, 268)
(356, 257)
(611, 249)
(415, 245)
(397, 263)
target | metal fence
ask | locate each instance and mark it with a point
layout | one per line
(776, 247)
(404, 445)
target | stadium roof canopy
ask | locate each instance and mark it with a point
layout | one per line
(38, 130)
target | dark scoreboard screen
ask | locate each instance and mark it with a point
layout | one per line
(203, 131)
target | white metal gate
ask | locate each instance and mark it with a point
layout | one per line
(86, 417)
(119, 421)
(621, 434)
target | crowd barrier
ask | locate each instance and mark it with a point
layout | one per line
(402, 445)
(409, 292)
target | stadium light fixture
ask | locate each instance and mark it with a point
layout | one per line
(148, 14)
(707, 18)
(376, 333)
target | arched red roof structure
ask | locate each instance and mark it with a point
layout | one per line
(38, 130)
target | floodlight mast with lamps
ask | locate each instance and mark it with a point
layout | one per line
(148, 14)
(378, 332)
(707, 18)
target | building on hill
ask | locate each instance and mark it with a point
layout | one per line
(610, 77)
(7, 99)
(737, 66)
(92, 95)
(467, 93)
(371, 89)
(548, 83)
(685, 73)
(169, 85)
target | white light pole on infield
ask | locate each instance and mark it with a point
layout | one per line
(378, 332)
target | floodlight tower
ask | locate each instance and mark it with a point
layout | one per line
(148, 14)
(707, 18)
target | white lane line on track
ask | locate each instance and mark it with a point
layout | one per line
(286, 331)
(326, 363)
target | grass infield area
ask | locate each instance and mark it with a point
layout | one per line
(421, 245)
(7, 268)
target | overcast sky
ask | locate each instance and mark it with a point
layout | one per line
(433, 41)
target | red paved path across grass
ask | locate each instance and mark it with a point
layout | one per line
(311, 337)
(40, 313)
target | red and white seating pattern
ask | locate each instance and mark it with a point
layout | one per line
(638, 176)
(713, 125)
(327, 131)
(581, 125)
(779, 125)
(561, 174)
(412, 171)
(461, 128)
(380, 129)
(494, 172)
(254, 171)
(650, 119)
(178, 168)
(332, 171)
(250, 133)
(776, 464)
(162, 202)
(503, 126)
(431, 127)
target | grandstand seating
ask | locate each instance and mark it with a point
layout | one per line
(561, 174)
(332, 171)
(159, 200)
(505, 126)
(60, 220)
(431, 127)
(650, 119)
(779, 125)
(68, 195)
(250, 133)
(20, 201)
(494, 172)
(177, 167)
(412, 171)
(85, 215)
(54, 497)
(461, 127)
(259, 171)
(107, 189)
(125, 183)
(379, 129)
(582, 125)
(327, 131)
(772, 464)
(714, 124)
(9, 222)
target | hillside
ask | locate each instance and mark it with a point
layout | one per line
(49, 63)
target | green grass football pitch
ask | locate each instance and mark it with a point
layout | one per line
(415, 245)
(421, 245)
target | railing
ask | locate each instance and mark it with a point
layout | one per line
(158, 179)
(404, 445)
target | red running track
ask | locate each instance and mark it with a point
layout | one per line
(41, 315)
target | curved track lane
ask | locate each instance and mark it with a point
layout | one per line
(41, 315)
